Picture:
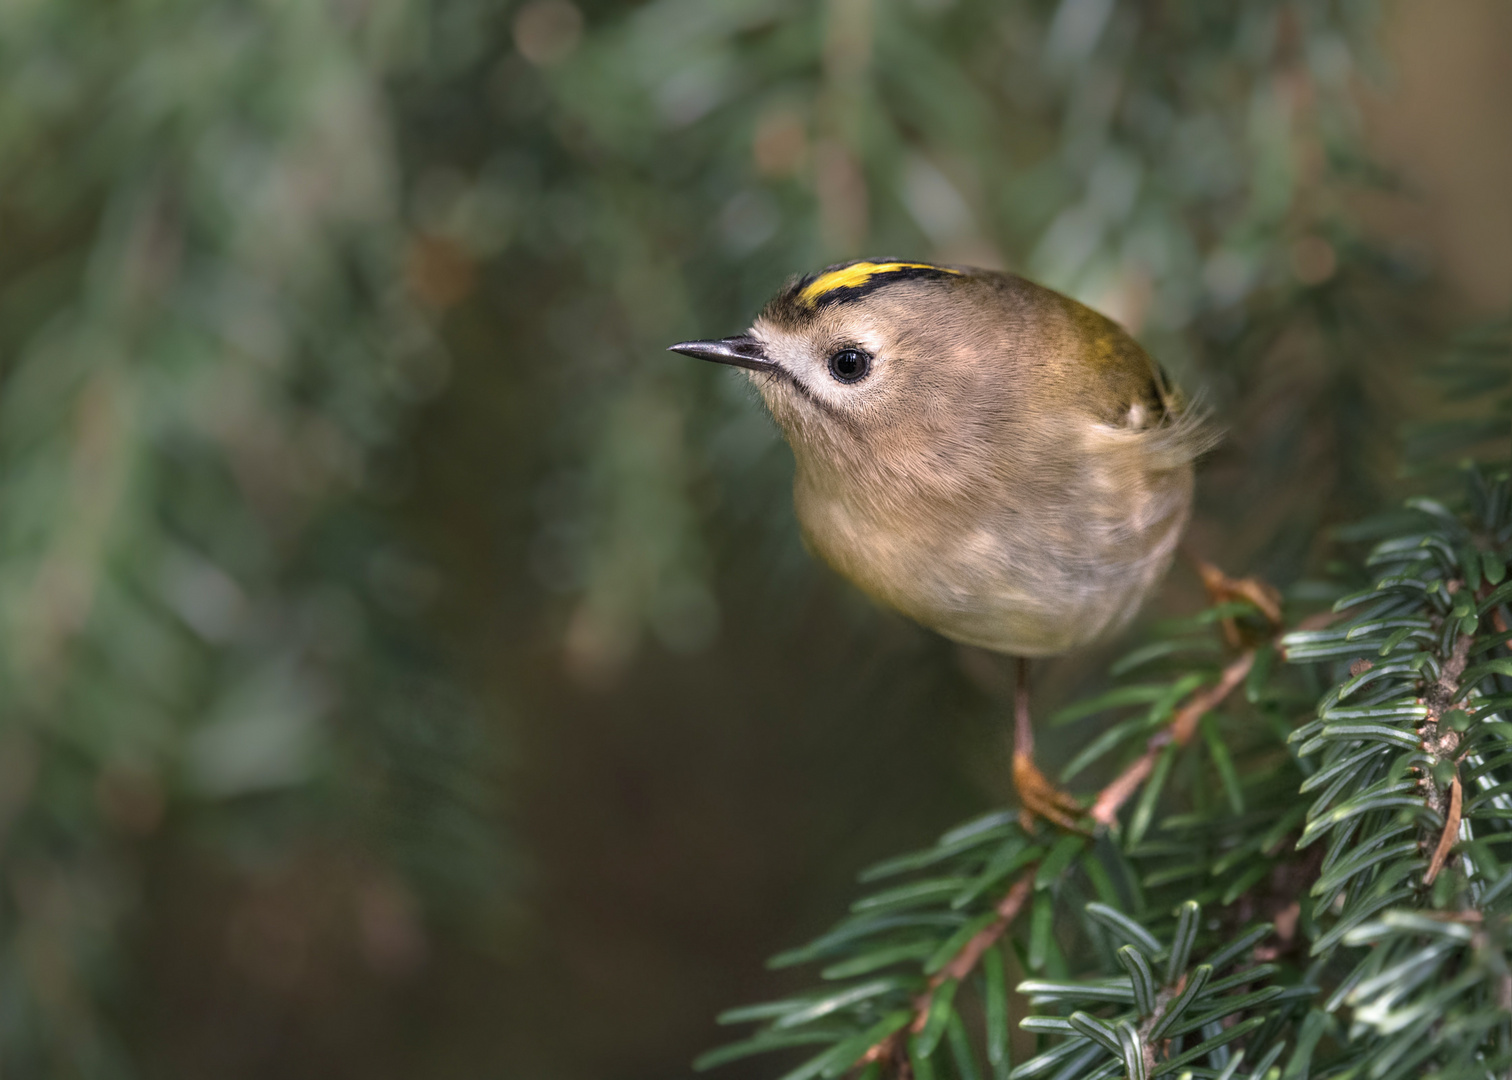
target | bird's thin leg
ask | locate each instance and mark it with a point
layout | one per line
(1023, 730)
(1037, 795)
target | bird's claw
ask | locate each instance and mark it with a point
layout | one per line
(1038, 797)
(1222, 589)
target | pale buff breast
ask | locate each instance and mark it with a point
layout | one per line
(1029, 577)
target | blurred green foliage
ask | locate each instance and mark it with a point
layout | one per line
(206, 349)
(339, 456)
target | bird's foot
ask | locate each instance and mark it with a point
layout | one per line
(1222, 589)
(1038, 797)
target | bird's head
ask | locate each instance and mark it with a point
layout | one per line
(875, 362)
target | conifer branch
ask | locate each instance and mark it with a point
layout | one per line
(962, 964)
(1179, 731)
(1450, 833)
(1007, 910)
(1442, 743)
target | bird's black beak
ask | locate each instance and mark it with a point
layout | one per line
(742, 350)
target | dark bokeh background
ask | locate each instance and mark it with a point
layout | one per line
(410, 669)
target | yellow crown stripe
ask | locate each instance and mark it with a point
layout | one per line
(857, 274)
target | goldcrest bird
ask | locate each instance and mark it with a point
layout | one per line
(987, 456)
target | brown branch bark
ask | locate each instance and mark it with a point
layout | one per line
(1450, 833)
(962, 964)
(1179, 731)
(1443, 743)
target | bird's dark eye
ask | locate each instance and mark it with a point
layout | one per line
(849, 365)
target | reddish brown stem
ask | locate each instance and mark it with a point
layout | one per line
(1179, 731)
(1450, 833)
(960, 965)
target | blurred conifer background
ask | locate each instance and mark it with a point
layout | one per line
(408, 668)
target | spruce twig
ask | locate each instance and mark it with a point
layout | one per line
(1442, 742)
(962, 964)
(1179, 731)
(1450, 833)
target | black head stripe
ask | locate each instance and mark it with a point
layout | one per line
(851, 281)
